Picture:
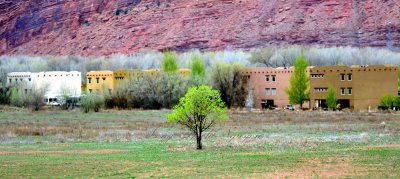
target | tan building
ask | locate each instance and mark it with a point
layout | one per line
(356, 87)
(100, 82)
(267, 86)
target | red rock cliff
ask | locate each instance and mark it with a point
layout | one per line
(103, 27)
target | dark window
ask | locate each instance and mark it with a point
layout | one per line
(342, 77)
(90, 80)
(350, 91)
(273, 77)
(97, 80)
(349, 77)
(104, 78)
(342, 91)
(29, 79)
(90, 90)
(10, 80)
(266, 77)
(109, 91)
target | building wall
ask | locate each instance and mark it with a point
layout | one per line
(258, 85)
(368, 84)
(121, 77)
(57, 82)
(100, 82)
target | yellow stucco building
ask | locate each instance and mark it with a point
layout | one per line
(100, 82)
(108, 82)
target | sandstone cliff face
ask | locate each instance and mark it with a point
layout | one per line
(103, 27)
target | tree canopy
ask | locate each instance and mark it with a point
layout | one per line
(169, 64)
(298, 91)
(331, 99)
(198, 110)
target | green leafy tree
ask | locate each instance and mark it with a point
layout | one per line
(398, 79)
(15, 99)
(331, 99)
(387, 101)
(198, 71)
(298, 91)
(169, 64)
(198, 110)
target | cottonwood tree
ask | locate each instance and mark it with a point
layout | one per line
(229, 79)
(198, 110)
(298, 91)
(35, 97)
(198, 71)
(331, 99)
(169, 64)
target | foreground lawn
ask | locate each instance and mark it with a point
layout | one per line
(139, 144)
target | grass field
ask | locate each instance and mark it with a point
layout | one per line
(140, 144)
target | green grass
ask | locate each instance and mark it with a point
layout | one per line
(259, 147)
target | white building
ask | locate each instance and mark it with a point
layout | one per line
(58, 83)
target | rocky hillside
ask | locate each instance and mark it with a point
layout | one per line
(103, 27)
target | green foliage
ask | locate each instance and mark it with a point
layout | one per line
(198, 71)
(229, 79)
(387, 101)
(398, 78)
(198, 110)
(331, 99)
(298, 91)
(92, 101)
(169, 64)
(15, 99)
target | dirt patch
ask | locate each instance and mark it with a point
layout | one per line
(67, 152)
(328, 168)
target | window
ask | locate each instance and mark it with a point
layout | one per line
(273, 77)
(350, 91)
(109, 91)
(104, 78)
(29, 79)
(97, 80)
(267, 91)
(26, 91)
(273, 91)
(349, 77)
(320, 89)
(90, 80)
(341, 91)
(267, 78)
(90, 91)
(10, 80)
(342, 77)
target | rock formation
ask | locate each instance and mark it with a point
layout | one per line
(103, 27)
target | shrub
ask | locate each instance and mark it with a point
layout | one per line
(92, 101)
(15, 98)
(387, 102)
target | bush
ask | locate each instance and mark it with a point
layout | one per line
(95, 102)
(16, 99)
(387, 102)
(36, 96)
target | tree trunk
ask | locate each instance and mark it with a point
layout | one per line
(199, 145)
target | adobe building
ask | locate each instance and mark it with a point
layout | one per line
(356, 87)
(101, 82)
(57, 82)
(267, 86)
